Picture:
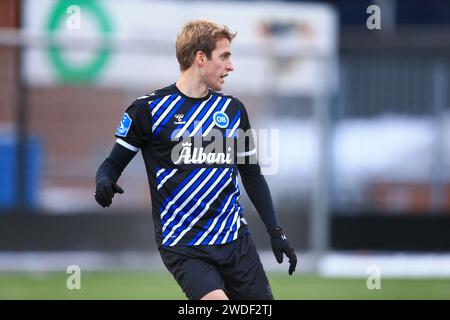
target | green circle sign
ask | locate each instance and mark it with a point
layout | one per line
(89, 71)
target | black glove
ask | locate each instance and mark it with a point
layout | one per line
(105, 190)
(280, 244)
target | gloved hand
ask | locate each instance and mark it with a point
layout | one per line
(105, 190)
(280, 244)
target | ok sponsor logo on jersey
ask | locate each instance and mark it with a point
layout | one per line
(124, 125)
(221, 119)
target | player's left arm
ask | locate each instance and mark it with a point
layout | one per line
(258, 191)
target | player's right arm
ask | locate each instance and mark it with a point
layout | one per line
(109, 172)
(133, 132)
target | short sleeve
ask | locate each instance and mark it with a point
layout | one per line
(135, 127)
(246, 147)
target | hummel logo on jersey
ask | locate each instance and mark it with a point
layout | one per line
(124, 125)
(283, 237)
(179, 117)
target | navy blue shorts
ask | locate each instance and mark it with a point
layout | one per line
(234, 267)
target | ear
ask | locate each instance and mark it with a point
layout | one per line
(200, 58)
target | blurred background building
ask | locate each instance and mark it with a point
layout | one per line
(360, 158)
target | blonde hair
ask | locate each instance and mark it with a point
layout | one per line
(199, 35)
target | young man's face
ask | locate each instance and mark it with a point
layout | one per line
(216, 69)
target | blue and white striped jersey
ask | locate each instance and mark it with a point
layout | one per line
(191, 148)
